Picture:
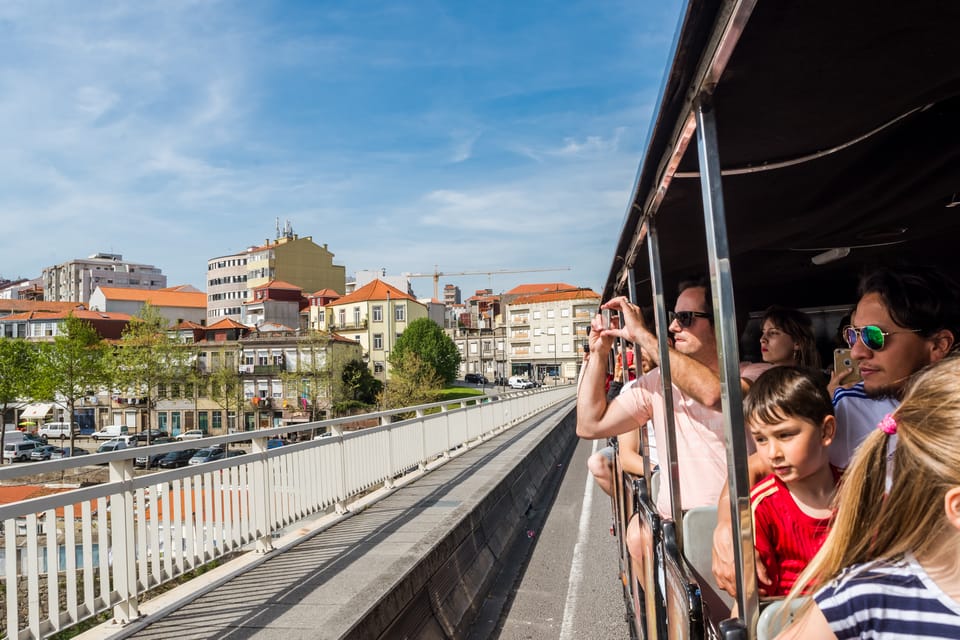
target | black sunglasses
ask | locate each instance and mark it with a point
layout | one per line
(685, 318)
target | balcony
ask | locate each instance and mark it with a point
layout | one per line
(519, 320)
(268, 369)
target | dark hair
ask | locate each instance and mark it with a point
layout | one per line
(704, 282)
(787, 392)
(798, 326)
(917, 297)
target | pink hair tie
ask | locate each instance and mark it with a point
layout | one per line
(888, 425)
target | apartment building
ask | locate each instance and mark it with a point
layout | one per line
(374, 316)
(231, 279)
(174, 304)
(76, 280)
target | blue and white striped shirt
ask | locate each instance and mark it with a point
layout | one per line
(884, 600)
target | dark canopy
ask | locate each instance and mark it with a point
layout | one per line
(857, 106)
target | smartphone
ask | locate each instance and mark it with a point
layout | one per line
(841, 361)
(606, 318)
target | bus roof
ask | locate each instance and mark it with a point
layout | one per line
(838, 128)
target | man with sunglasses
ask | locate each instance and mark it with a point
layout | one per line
(905, 320)
(694, 365)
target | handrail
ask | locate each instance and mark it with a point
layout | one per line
(158, 526)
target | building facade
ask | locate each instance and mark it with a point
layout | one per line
(76, 280)
(174, 304)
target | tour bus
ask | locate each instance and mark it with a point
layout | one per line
(794, 145)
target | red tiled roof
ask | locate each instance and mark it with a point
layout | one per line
(279, 284)
(529, 289)
(376, 290)
(38, 305)
(82, 314)
(186, 324)
(158, 297)
(325, 293)
(227, 323)
(576, 294)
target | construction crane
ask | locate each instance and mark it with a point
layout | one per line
(436, 275)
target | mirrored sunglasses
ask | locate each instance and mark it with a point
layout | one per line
(872, 336)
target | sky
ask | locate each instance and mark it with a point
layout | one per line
(408, 136)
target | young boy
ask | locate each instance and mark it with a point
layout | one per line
(790, 416)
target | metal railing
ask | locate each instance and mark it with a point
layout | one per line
(133, 533)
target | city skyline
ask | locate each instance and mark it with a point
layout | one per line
(407, 138)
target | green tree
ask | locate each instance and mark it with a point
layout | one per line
(72, 365)
(413, 381)
(18, 360)
(359, 384)
(147, 357)
(432, 346)
(225, 385)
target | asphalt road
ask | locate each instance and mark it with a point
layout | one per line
(568, 585)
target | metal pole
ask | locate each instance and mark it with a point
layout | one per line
(725, 325)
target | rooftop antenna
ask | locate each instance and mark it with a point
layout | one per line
(278, 227)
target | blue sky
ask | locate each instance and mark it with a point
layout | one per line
(471, 136)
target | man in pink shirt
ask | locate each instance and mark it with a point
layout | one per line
(694, 365)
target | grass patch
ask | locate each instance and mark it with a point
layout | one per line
(455, 393)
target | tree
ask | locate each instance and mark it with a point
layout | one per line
(225, 385)
(148, 357)
(17, 370)
(432, 346)
(413, 381)
(359, 384)
(71, 366)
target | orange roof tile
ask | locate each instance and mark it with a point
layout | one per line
(279, 284)
(576, 294)
(38, 305)
(158, 297)
(543, 287)
(376, 290)
(325, 293)
(82, 314)
(227, 323)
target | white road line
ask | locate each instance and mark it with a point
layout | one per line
(576, 563)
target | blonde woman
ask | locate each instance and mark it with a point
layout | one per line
(890, 567)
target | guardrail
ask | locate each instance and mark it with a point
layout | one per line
(159, 526)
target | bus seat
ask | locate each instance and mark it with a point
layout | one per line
(772, 621)
(682, 596)
(654, 486)
(698, 526)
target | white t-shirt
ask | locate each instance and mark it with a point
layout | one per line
(857, 416)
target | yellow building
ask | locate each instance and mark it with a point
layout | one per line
(297, 260)
(374, 315)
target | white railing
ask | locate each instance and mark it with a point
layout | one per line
(158, 526)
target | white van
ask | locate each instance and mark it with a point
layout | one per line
(110, 432)
(57, 430)
(519, 382)
(18, 451)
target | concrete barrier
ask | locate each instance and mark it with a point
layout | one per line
(441, 595)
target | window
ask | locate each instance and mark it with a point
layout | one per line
(378, 367)
(550, 348)
(537, 332)
(536, 315)
(320, 315)
(378, 313)
(400, 313)
(564, 313)
(537, 349)
(356, 316)
(378, 341)
(217, 420)
(550, 314)
(565, 330)
(175, 393)
(473, 347)
(343, 317)
(161, 390)
(565, 347)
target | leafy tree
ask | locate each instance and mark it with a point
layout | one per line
(18, 360)
(432, 346)
(72, 365)
(359, 384)
(225, 384)
(148, 357)
(413, 381)
(318, 378)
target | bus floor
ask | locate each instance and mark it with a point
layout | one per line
(563, 582)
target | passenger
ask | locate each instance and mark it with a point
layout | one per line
(905, 319)
(787, 338)
(600, 463)
(701, 452)
(889, 567)
(791, 419)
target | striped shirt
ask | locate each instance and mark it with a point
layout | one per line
(887, 600)
(857, 416)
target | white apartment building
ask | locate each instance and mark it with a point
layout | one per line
(76, 280)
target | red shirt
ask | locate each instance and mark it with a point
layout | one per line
(786, 538)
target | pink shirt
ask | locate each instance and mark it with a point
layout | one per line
(701, 453)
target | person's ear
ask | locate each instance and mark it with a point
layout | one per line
(951, 505)
(828, 430)
(940, 344)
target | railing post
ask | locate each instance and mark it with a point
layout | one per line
(262, 488)
(123, 538)
(388, 483)
(340, 504)
(423, 440)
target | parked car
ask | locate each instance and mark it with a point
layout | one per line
(273, 443)
(148, 460)
(193, 434)
(60, 430)
(116, 444)
(476, 378)
(233, 453)
(207, 455)
(19, 451)
(67, 452)
(153, 434)
(43, 452)
(110, 432)
(176, 459)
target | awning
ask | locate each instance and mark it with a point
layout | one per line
(37, 410)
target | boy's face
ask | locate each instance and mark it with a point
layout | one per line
(795, 448)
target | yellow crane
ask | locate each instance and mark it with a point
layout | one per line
(437, 273)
